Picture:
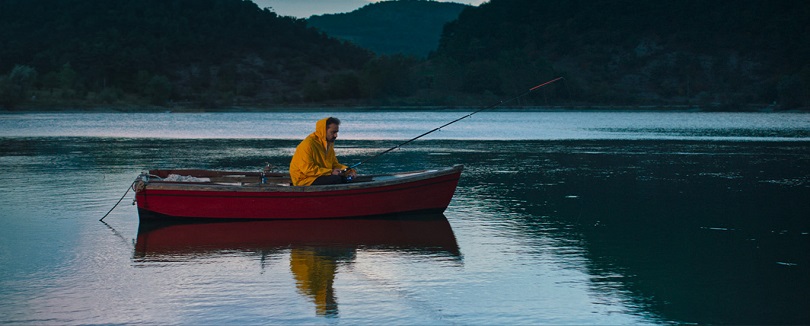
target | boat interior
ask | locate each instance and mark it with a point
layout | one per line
(234, 177)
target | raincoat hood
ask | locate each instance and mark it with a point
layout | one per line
(320, 132)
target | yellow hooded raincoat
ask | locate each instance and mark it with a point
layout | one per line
(313, 158)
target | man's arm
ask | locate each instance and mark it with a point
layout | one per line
(306, 162)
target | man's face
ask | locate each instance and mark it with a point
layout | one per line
(332, 132)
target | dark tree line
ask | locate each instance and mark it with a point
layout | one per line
(224, 53)
(639, 52)
(203, 51)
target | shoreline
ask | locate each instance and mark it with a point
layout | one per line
(365, 108)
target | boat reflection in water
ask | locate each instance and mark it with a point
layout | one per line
(316, 246)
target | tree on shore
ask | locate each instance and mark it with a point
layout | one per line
(16, 86)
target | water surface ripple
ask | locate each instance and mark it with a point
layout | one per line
(581, 218)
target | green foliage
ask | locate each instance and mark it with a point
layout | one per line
(793, 90)
(111, 95)
(388, 76)
(636, 51)
(220, 49)
(158, 89)
(215, 53)
(24, 77)
(67, 78)
(7, 99)
(343, 86)
(313, 91)
(16, 86)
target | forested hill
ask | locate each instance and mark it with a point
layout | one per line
(724, 52)
(411, 27)
(721, 54)
(212, 52)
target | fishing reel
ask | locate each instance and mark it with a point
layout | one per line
(346, 176)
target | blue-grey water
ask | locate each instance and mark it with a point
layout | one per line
(559, 218)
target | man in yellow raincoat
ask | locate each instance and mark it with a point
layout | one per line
(314, 161)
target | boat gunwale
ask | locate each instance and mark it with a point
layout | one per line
(406, 177)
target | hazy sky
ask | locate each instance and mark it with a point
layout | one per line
(306, 8)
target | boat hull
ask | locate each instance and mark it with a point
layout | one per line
(419, 192)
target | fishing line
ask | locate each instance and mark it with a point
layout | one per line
(454, 121)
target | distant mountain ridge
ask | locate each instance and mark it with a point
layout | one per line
(411, 27)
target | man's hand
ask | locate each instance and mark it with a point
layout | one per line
(350, 172)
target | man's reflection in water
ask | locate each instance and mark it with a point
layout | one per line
(314, 271)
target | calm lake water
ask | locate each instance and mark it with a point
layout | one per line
(559, 218)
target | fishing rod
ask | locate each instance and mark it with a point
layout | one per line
(454, 121)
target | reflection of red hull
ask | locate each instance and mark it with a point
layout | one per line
(426, 233)
(423, 191)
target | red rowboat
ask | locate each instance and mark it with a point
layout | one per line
(253, 195)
